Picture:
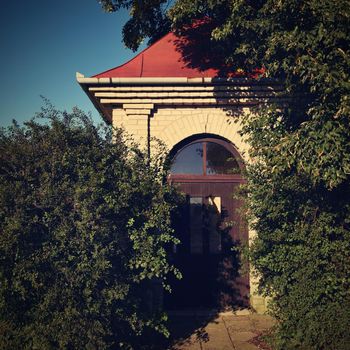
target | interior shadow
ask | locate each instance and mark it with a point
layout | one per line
(208, 258)
(211, 283)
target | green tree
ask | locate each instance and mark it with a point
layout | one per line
(299, 182)
(148, 20)
(84, 224)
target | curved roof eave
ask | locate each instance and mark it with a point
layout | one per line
(170, 56)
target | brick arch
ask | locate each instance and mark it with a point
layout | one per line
(211, 138)
(178, 125)
(218, 124)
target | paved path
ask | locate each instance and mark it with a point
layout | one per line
(224, 331)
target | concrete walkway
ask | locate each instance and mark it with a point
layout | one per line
(223, 331)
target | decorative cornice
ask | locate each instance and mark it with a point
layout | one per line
(142, 95)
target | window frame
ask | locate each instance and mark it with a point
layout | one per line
(205, 177)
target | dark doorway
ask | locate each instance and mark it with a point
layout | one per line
(210, 227)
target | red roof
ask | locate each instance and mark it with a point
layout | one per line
(162, 59)
(190, 55)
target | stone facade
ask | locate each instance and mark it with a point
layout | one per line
(176, 123)
(177, 108)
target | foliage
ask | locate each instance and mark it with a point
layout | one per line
(299, 180)
(148, 20)
(85, 223)
(302, 248)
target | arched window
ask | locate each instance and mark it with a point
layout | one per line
(206, 157)
(208, 170)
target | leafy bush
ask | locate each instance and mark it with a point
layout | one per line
(84, 227)
(302, 249)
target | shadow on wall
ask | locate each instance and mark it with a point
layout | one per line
(210, 57)
(199, 52)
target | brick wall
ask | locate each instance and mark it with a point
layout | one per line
(175, 123)
(172, 125)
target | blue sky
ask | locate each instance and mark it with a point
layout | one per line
(44, 43)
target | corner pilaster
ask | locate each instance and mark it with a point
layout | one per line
(137, 118)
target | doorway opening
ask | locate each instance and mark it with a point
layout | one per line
(210, 226)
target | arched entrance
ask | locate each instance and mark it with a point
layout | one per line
(208, 169)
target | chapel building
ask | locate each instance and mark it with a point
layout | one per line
(196, 112)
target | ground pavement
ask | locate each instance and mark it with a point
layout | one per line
(223, 331)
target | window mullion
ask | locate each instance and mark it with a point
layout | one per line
(204, 158)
